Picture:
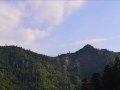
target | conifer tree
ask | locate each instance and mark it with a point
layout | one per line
(96, 81)
(84, 83)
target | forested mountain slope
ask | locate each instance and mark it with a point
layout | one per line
(22, 69)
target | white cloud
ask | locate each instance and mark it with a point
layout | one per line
(72, 6)
(33, 34)
(50, 12)
(90, 41)
(53, 12)
(20, 21)
(10, 17)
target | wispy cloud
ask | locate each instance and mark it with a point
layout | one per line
(10, 17)
(20, 21)
(89, 41)
(52, 12)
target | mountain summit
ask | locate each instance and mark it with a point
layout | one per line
(88, 46)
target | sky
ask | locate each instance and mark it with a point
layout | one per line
(54, 27)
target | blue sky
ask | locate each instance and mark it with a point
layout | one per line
(54, 27)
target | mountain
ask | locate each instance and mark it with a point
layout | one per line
(90, 60)
(22, 69)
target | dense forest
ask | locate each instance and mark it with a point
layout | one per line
(22, 69)
(110, 79)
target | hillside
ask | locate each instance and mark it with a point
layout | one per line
(22, 69)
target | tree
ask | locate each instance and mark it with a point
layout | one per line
(84, 83)
(111, 76)
(107, 78)
(96, 81)
(116, 74)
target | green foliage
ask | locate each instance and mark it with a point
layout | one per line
(96, 81)
(24, 70)
(109, 81)
(85, 83)
(111, 76)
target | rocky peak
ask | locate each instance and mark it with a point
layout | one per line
(88, 46)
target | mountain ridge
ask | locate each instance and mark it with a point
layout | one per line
(27, 70)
